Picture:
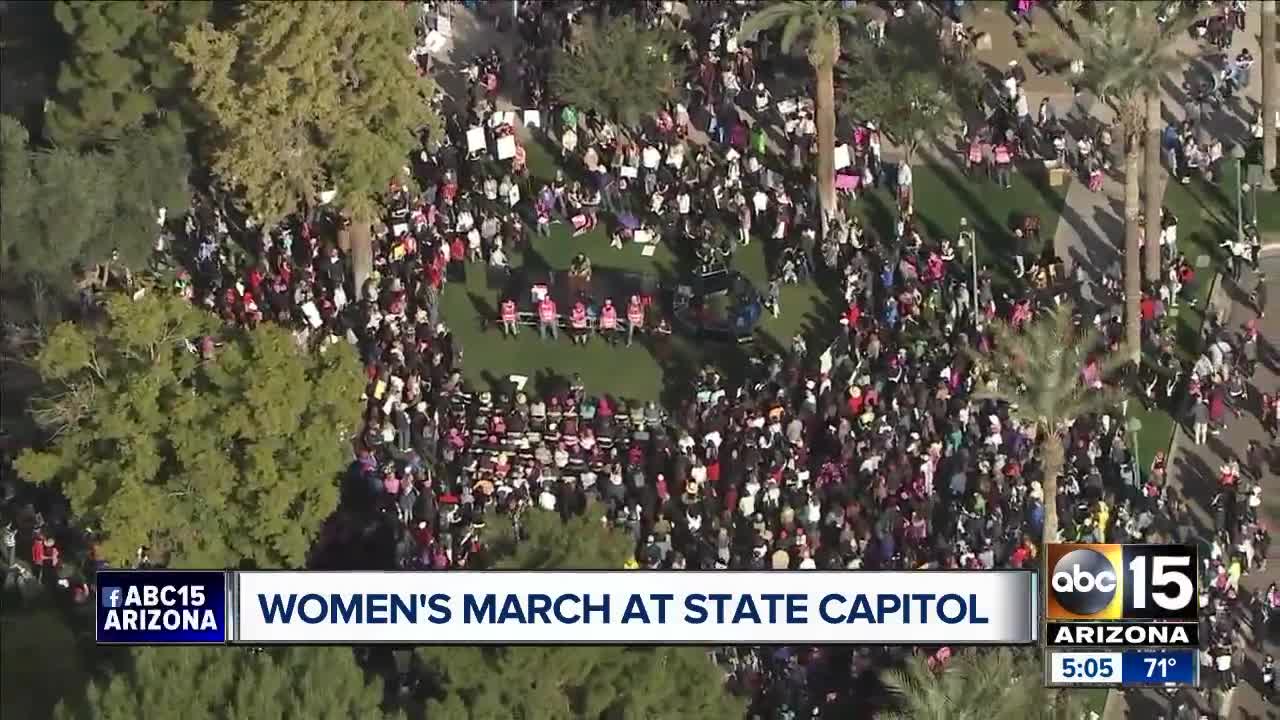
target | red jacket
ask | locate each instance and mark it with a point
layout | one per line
(508, 311)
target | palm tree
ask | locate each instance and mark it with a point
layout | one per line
(1270, 93)
(820, 21)
(1039, 372)
(997, 684)
(1126, 72)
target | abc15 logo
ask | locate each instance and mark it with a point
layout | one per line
(1122, 582)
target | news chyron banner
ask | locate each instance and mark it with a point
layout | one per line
(569, 607)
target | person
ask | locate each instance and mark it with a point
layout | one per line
(609, 321)
(1002, 156)
(578, 323)
(1239, 252)
(580, 273)
(904, 188)
(635, 318)
(548, 319)
(8, 546)
(1200, 421)
(510, 318)
(1243, 67)
(1258, 298)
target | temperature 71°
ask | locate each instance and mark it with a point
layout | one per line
(1164, 663)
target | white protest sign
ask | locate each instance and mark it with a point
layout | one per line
(842, 159)
(532, 118)
(475, 140)
(313, 314)
(506, 147)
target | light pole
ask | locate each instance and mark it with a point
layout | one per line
(968, 237)
(1135, 426)
(1237, 153)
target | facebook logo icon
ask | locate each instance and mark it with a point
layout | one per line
(112, 597)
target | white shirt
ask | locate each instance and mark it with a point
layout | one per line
(1011, 85)
(651, 157)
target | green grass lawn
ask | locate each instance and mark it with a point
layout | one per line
(1092, 699)
(1266, 205)
(41, 662)
(645, 372)
(943, 195)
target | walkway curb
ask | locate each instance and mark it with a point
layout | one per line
(1113, 710)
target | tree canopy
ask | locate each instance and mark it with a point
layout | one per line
(618, 69)
(216, 459)
(818, 21)
(306, 96)
(547, 542)
(905, 85)
(120, 71)
(995, 684)
(63, 206)
(479, 683)
(1127, 53)
(210, 683)
(1039, 371)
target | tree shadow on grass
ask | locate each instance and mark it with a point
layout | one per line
(997, 239)
(485, 313)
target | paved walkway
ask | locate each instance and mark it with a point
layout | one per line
(1091, 232)
(1196, 468)
(1092, 235)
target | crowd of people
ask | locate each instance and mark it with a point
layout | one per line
(873, 452)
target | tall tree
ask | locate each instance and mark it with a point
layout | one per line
(542, 541)
(619, 69)
(977, 684)
(1270, 92)
(819, 21)
(1038, 371)
(203, 683)
(63, 206)
(495, 683)
(909, 85)
(120, 72)
(297, 107)
(1125, 72)
(209, 459)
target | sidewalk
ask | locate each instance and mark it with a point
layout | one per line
(1091, 233)
(1195, 468)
